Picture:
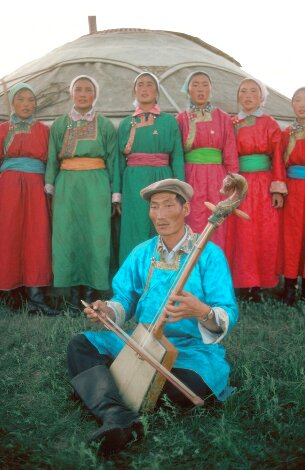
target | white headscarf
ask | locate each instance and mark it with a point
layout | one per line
(92, 80)
(185, 86)
(261, 86)
(154, 77)
(156, 80)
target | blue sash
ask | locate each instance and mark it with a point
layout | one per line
(296, 171)
(26, 164)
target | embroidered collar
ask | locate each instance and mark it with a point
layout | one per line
(257, 113)
(76, 116)
(16, 119)
(208, 107)
(154, 110)
(196, 109)
(185, 245)
(296, 126)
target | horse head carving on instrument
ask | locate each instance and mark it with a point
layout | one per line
(235, 186)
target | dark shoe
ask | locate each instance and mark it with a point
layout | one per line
(89, 294)
(75, 296)
(97, 389)
(289, 294)
(255, 295)
(14, 299)
(74, 305)
(250, 294)
(302, 298)
(36, 302)
(243, 293)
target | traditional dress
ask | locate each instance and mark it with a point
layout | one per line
(81, 165)
(210, 153)
(149, 147)
(25, 235)
(253, 247)
(142, 284)
(294, 208)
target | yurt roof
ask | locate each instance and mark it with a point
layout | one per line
(115, 57)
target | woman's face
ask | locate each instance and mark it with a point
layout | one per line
(146, 90)
(298, 105)
(199, 89)
(83, 95)
(249, 96)
(24, 103)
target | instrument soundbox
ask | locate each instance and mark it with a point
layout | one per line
(133, 374)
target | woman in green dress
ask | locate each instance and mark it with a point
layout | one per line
(150, 149)
(80, 171)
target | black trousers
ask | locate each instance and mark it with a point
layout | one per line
(82, 355)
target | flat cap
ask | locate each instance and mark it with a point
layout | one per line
(169, 185)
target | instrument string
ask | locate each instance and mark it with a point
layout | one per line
(172, 286)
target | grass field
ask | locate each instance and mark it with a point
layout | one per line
(262, 426)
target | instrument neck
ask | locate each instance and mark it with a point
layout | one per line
(192, 260)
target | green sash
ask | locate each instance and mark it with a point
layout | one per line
(254, 162)
(204, 155)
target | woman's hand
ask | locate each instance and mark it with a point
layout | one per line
(277, 200)
(116, 209)
(49, 189)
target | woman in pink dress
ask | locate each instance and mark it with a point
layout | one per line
(253, 246)
(294, 208)
(209, 150)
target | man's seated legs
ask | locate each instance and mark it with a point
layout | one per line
(93, 383)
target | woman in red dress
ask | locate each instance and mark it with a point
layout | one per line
(209, 150)
(253, 246)
(294, 209)
(25, 235)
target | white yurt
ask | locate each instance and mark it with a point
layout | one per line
(114, 58)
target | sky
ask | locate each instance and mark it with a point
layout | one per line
(265, 36)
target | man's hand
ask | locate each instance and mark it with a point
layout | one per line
(189, 307)
(98, 307)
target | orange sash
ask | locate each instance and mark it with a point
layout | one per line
(82, 163)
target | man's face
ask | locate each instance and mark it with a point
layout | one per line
(167, 214)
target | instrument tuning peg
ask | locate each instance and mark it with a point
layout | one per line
(210, 206)
(241, 214)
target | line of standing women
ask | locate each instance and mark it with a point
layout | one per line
(87, 162)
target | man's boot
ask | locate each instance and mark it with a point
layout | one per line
(37, 302)
(289, 291)
(97, 389)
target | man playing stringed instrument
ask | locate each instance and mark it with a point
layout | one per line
(195, 319)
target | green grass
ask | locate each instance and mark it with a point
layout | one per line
(262, 426)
